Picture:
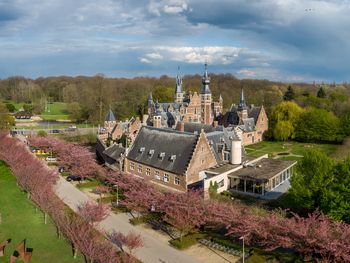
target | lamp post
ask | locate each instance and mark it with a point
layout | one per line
(243, 257)
(117, 196)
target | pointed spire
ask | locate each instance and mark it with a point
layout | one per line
(205, 80)
(242, 105)
(178, 81)
(150, 100)
(110, 116)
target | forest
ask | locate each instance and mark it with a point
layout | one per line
(304, 112)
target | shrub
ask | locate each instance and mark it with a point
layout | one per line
(42, 133)
(187, 240)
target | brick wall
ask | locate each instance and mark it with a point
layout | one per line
(202, 158)
(156, 175)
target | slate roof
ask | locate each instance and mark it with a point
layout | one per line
(218, 139)
(231, 117)
(176, 106)
(254, 113)
(124, 126)
(110, 116)
(197, 127)
(115, 151)
(163, 142)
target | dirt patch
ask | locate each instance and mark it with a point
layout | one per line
(198, 251)
(208, 255)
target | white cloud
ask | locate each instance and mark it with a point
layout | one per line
(170, 7)
(145, 60)
(247, 73)
(194, 55)
(156, 56)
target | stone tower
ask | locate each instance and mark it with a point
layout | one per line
(206, 99)
(110, 121)
(179, 96)
(242, 108)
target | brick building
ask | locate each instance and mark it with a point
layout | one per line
(192, 107)
(168, 157)
(251, 121)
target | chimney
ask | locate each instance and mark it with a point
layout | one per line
(144, 118)
(215, 124)
(181, 126)
(157, 121)
(236, 152)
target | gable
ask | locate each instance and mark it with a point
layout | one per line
(202, 158)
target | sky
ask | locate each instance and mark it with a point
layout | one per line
(283, 40)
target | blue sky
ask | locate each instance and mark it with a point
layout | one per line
(285, 40)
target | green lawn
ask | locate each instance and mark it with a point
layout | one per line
(56, 111)
(287, 150)
(63, 126)
(19, 220)
(17, 105)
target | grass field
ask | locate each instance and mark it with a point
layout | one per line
(19, 220)
(56, 111)
(63, 126)
(287, 150)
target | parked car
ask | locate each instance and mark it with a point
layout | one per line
(71, 178)
(61, 169)
(51, 159)
(55, 131)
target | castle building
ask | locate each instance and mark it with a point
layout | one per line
(252, 121)
(191, 107)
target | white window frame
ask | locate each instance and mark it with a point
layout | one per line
(166, 178)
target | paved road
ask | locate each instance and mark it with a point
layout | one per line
(154, 250)
(23, 131)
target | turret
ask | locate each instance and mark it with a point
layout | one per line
(206, 100)
(179, 96)
(205, 81)
(150, 105)
(110, 121)
(242, 108)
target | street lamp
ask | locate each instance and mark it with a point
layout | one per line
(117, 195)
(243, 257)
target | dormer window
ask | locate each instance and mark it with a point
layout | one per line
(142, 149)
(173, 158)
(161, 155)
(151, 152)
(222, 139)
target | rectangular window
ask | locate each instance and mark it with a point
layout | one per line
(132, 166)
(177, 180)
(166, 178)
(139, 168)
(156, 175)
(148, 171)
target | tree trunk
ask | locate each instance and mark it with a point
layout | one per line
(45, 218)
(75, 251)
(58, 233)
(28, 195)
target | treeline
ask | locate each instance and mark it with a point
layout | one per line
(321, 117)
(89, 98)
(321, 183)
